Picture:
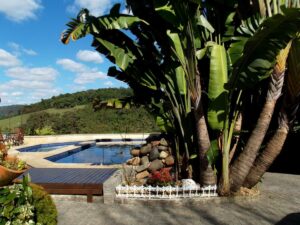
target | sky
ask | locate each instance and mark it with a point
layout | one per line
(34, 64)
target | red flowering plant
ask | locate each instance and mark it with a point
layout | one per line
(161, 177)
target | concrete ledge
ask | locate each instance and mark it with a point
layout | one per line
(33, 140)
(109, 187)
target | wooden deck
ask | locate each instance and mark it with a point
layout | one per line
(71, 181)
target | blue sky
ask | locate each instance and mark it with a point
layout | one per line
(34, 64)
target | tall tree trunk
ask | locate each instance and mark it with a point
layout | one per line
(240, 168)
(266, 158)
(242, 165)
(207, 175)
(287, 116)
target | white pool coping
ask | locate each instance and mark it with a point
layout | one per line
(38, 159)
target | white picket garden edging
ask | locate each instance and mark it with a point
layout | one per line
(167, 192)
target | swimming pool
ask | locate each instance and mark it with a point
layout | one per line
(96, 155)
(46, 147)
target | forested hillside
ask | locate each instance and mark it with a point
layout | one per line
(9, 111)
(74, 113)
(79, 98)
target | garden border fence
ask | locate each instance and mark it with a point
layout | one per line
(167, 192)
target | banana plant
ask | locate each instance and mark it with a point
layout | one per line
(160, 64)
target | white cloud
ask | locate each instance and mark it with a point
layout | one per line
(84, 74)
(27, 84)
(27, 91)
(17, 93)
(32, 74)
(29, 52)
(89, 77)
(18, 49)
(7, 59)
(89, 56)
(20, 10)
(109, 84)
(96, 7)
(14, 46)
(71, 65)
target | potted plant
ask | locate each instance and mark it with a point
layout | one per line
(10, 166)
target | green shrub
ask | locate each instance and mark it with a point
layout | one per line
(45, 210)
(16, 204)
(23, 204)
(46, 130)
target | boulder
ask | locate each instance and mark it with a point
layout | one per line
(155, 165)
(135, 161)
(162, 148)
(129, 162)
(135, 152)
(155, 143)
(146, 149)
(188, 183)
(163, 142)
(145, 160)
(141, 168)
(142, 175)
(154, 154)
(170, 160)
(163, 154)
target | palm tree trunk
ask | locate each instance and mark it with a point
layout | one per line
(266, 158)
(241, 167)
(207, 175)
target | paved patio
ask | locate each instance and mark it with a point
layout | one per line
(279, 203)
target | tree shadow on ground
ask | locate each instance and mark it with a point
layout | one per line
(290, 219)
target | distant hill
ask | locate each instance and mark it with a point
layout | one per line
(9, 111)
(64, 101)
(73, 113)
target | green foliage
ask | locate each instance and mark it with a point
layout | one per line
(11, 110)
(47, 130)
(158, 60)
(260, 51)
(218, 96)
(13, 164)
(8, 124)
(26, 204)
(86, 120)
(16, 205)
(79, 98)
(45, 209)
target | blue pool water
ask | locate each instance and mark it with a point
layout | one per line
(97, 155)
(46, 147)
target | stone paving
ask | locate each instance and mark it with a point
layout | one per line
(279, 203)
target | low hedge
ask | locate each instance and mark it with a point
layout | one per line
(24, 204)
(45, 209)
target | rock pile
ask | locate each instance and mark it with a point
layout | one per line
(150, 157)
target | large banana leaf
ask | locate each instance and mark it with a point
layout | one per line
(217, 94)
(179, 71)
(260, 51)
(165, 9)
(80, 28)
(122, 56)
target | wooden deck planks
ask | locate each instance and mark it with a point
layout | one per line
(86, 181)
